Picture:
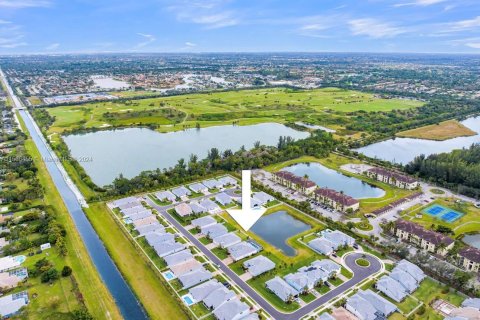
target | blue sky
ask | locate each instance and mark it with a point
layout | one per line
(86, 26)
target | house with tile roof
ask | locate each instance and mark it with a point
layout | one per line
(428, 240)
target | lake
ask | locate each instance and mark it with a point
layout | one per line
(404, 150)
(277, 227)
(472, 240)
(326, 177)
(107, 154)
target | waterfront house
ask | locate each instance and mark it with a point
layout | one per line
(124, 201)
(258, 265)
(336, 200)
(428, 240)
(322, 245)
(262, 198)
(469, 259)
(242, 250)
(183, 210)
(294, 182)
(281, 289)
(393, 178)
(227, 240)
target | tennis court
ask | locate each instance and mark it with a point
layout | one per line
(443, 213)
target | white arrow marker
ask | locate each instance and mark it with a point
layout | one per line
(246, 217)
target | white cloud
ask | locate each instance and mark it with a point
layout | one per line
(210, 13)
(468, 42)
(19, 4)
(148, 39)
(11, 36)
(420, 3)
(4, 21)
(53, 46)
(373, 28)
(475, 45)
(190, 44)
(465, 24)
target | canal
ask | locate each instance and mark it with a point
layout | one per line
(121, 292)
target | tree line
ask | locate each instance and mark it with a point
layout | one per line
(458, 170)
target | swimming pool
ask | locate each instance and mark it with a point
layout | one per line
(168, 275)
(20, 259)
(188, 299)
(443, 213)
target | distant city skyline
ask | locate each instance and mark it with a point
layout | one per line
(102, 26)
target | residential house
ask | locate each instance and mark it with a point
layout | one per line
(405, 279)
(177, 258)
(393, 178)
(258, 265)
(181, 192)
(186, 267)
(294, 182)
(227, 240)
(242, 250)
(337, 200)
(139, 215)
(132, 210)
(183, 210)
(124, 201)
(281, 289)
(9, 263)
(367, 305)
(165, 196)
(218, 297)
(10, 305)
(212, 184)
(145, 221)
(327, 265)
(200, 292)
(306, 278)
(322, 245)
(143, 230)
(391, 288)
(227, 181)
(223, 198)
(213, 231)
(204, 222)
(129, 205)
(412, 269)
(469, 259)
(325, 316)
(210, 206)
(10, 280)
(262, 198)
(198, 188)
(166, 248)
(154, 238)
(195, 277)
(232, 310)
(426, 239)
(196, 207)
(338, 238)
(471, 303)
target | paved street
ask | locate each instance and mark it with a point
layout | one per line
(360, 273)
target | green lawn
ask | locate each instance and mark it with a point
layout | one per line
(430, 290)
(207, 109)
(146, 283)
(220, 253)
(96, 296)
